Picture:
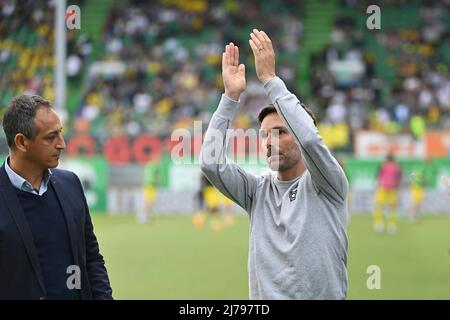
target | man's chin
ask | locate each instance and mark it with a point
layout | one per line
(274, 165)
(53, 164)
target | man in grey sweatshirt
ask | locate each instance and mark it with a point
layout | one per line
(298, 218)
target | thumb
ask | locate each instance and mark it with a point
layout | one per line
(241, 69)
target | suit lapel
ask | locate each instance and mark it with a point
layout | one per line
(16, 212)
(67, 211)
(65, 205)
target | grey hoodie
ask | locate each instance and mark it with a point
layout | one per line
(298, 242)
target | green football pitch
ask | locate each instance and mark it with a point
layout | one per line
(170, 259)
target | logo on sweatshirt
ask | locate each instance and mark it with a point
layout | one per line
(293, 194)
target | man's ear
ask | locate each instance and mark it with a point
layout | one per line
(21, 142)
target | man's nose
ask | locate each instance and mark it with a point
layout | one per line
(273, 140)
(268, 140)
(61, 143)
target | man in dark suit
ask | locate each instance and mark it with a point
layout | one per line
(48, 249)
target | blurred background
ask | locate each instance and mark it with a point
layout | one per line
(125, 75)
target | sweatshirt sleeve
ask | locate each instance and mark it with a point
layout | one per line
(326, 173)
(232, 180)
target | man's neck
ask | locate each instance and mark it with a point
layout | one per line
(292, 173)
(26, 170)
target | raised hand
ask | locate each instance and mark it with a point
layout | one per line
(233, 73)
(264, 55)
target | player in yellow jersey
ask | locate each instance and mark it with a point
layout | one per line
(417, 190)
(212, 203)
(151, 180)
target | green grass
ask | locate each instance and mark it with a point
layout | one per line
(414, 263)
(170, 259)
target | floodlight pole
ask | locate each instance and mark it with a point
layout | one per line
(60, 59)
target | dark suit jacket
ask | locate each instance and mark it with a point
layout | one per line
(20, 271)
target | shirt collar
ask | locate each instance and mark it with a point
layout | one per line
(22, 184)
(287, 182)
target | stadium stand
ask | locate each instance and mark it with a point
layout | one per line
(150, 67)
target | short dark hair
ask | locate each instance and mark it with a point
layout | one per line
(19, 117)
(271, 109)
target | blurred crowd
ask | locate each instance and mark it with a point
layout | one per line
(27, 49)
(394, 80)
(171, 53)
(161, 64)
(158, 65)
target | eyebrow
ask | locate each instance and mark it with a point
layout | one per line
(279, 128)
(54, 131)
